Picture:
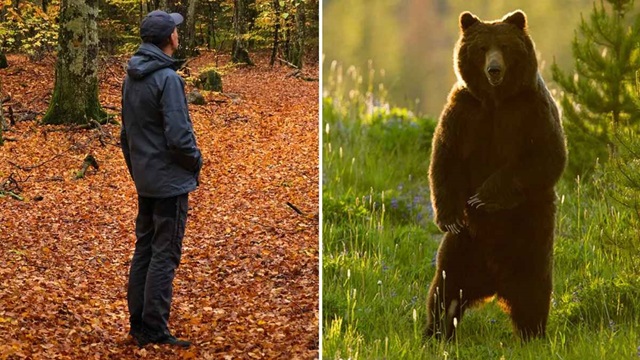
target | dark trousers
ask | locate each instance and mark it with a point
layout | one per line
(160, 228)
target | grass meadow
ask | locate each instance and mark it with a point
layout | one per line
(379, 246)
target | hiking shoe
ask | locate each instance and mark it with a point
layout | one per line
(143, 338)
(172, 340)
(140, 338)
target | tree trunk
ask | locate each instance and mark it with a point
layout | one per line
(274, 52)
(160, 5)
(237, 26)
(238, 51)
(286, 46)
(75, 94)
(296, 54)
(189, 33)
(144, 8)
(211, 29)
(2, 122)
(3, 61)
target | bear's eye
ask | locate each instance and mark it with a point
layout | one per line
(484, 48)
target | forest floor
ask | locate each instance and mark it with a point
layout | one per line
(247, 286)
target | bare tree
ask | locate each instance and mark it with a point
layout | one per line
(189, 34)
(2, 122)
(274, 52)
(296, 50)
(239, 53)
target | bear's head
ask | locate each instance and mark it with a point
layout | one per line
(495, 59)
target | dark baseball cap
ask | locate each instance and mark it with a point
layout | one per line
(157, 26)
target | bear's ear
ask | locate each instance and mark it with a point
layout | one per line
(517, 18)
(467, 19)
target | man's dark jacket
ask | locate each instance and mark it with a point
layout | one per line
(157, 136)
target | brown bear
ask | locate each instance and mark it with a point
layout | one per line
(498, 151)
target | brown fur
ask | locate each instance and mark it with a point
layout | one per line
(505, 145)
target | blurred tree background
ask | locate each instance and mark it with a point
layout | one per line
(31, 26)
(588, 53)
(81, 32)
(413, 40)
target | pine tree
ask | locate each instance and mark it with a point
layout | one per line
(619, 179)
(598, 97)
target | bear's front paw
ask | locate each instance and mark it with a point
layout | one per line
(478, 202)
(454, 228)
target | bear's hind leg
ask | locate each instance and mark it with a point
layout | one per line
(460, 280)
(526, 265)
(528, 303)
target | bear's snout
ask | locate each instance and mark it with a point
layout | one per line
(494, 69)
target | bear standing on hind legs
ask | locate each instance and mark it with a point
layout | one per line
(498, 151)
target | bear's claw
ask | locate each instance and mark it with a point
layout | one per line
(452, 228)
(475, 201)
(455, 228)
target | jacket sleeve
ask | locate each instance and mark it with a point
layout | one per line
(124, 141)
(177, 125)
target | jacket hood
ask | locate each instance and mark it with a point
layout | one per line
(148, 59)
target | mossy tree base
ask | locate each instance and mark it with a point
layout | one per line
(241, 56)
(210, 80)
(70, 106)
(75, 94)
(295, 55)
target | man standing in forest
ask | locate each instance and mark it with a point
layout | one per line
(164, 161)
